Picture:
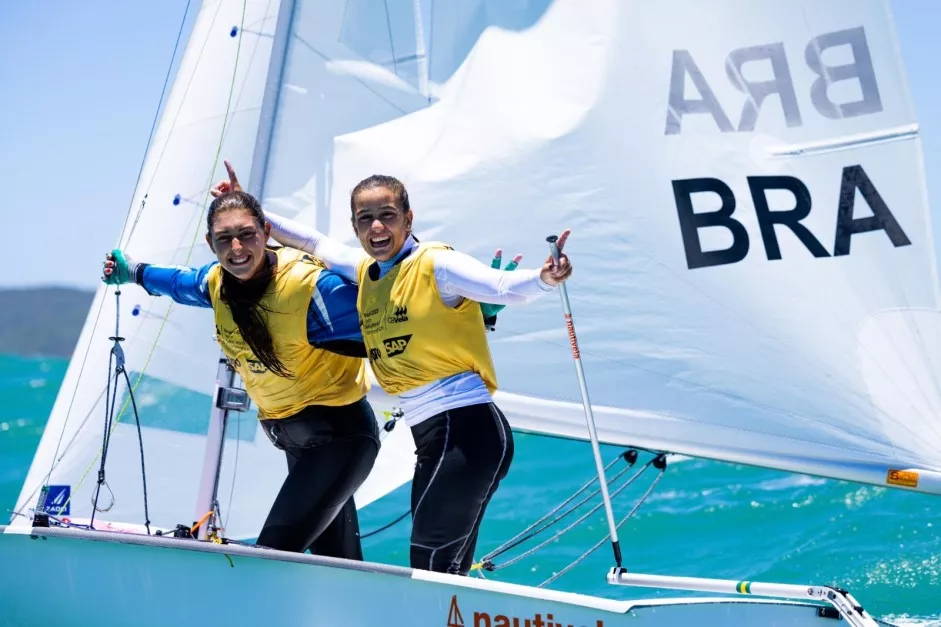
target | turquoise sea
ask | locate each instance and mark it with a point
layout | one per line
(702, 519)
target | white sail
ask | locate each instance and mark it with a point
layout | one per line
(806, 342)
(212, 112)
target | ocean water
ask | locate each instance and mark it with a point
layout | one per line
(702, 519)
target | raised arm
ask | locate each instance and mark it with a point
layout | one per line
(338, 257)
(185, 285)
(457, 274)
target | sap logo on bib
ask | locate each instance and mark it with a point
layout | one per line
(396, 345)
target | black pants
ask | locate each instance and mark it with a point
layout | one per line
(330, 452)
(463, 454)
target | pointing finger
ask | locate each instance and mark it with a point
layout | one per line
(562, 238)
(232, 178)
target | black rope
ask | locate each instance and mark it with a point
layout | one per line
(110, 402)
(489, 565)
(116, 362)
(534, 529)
(387, 525)
(140, 440)
(661, 466)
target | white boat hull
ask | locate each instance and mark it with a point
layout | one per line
(100, 579)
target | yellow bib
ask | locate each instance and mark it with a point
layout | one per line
(319, 377)
(413, 338)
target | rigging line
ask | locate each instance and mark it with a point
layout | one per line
(597, 546)
(431, 42)
(110, 400)
(225, 124)
(532, 531)
(395, 69)
(163, 322)
(176, 116)
(359, 80)
(577, 522)
(109, 417)
(632, 454)
(140, 440)
(153, 125)
(225, 133)
(387, 525)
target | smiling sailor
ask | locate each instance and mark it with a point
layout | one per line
(427, 344)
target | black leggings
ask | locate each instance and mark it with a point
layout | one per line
(330, 452)
(463, 454)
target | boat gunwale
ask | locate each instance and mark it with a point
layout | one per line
(485, 585)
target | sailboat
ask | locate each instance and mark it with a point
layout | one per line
(755, 283)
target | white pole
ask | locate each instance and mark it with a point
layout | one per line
(589, 416)
(842, 601)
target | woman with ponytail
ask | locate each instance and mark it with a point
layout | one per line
(290, 329)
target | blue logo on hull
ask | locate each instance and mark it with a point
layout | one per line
(54, 500)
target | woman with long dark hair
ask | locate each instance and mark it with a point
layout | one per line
(290, 329)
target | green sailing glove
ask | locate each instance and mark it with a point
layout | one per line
(489, 310)
(122, 270)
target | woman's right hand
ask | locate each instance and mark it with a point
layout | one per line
(117, 268)
(555, 272)
(224, 187)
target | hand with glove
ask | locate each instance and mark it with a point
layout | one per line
(489, 310)
(118, 268)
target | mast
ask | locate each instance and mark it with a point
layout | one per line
(227, 396)
(420, 55)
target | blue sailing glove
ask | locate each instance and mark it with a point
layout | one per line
(118, 268)
(489, 310)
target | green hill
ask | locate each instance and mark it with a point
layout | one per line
(42, 320)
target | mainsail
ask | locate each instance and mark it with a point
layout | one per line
(755, 271)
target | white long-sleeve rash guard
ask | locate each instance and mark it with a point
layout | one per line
(457, 276)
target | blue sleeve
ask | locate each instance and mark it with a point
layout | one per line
(332, 314)
(187, 286)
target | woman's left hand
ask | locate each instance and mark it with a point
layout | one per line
(223, 187)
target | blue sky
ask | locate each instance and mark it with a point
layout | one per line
(79, 84)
